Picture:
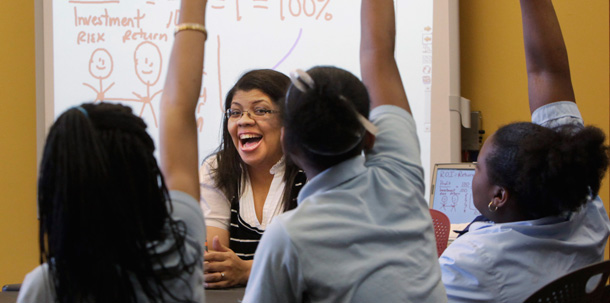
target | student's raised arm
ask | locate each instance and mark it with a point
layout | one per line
(178, 135)
(548, 70)
(377, 64)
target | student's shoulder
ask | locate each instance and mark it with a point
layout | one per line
(295, 224)
(304, 226)
(396, 143)
(37, 286)
(39, 275)
(209, 164)
(468, 261)
(183, 199)
(278, 240)
(186, 209)
(390, 111)
(479, 241)
(394, 124)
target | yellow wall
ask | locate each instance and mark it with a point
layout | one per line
(18, 225)
(493, 74)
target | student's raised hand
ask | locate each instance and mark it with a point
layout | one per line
(223, 268)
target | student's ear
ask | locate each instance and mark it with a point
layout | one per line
(369, 141)
(501, 196)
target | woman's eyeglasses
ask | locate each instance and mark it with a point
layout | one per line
(236, 114)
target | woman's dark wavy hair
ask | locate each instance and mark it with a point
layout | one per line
(103, 208)
(324, 117)
(228, 174)
(548, 171)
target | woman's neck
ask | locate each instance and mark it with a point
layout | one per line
(260, 175)
(260, 182)
(510, 213)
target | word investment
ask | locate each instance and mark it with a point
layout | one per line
(107, 21)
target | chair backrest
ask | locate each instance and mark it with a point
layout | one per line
(587, 284)
(10, 287)
(442, 228)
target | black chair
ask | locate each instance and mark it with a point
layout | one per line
(11, 287)
(572, 287)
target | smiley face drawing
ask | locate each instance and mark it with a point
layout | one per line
(101, 66)
(148, 60)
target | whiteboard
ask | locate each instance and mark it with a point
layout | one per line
(94, 50)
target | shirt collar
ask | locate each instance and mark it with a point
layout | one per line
(550, 220)
(332, 177)
(278, 167)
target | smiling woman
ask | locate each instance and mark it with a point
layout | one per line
(248, 181)
(257, 138)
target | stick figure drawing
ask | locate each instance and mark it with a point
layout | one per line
(100, 67)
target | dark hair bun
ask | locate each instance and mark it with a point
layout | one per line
(324, 119)
(549, 171)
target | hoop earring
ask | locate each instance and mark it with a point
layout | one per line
(489, 207)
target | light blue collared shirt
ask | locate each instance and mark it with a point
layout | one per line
(361, 233)
(510, 261)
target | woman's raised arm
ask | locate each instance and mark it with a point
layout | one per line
(548, 70)
(377, 64)
(178, 132)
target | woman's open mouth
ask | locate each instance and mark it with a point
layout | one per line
(249, 142)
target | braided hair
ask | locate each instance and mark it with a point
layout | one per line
(103, 208)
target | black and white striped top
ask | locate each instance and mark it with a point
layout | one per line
(244, 238)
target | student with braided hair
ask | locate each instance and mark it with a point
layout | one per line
(362, 230)
(537, 183)
(114, 226)
(110, 230)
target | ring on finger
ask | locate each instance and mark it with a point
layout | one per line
(222, 275)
